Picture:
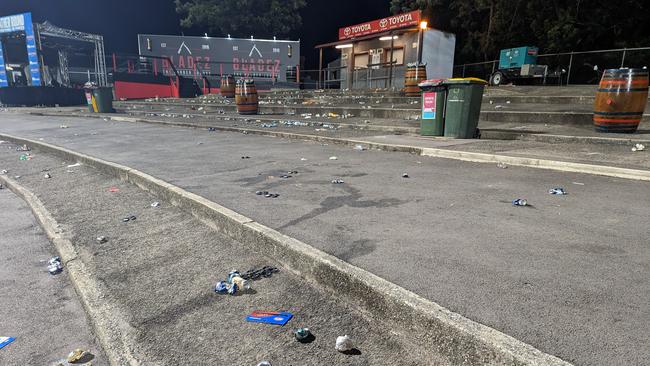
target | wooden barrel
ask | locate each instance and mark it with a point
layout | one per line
(246, 97)
(292, 74)
(414, 76)
(621, 100)
(228, 86)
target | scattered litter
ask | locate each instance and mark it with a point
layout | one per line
(405, 175)
(4, 171)
(359, 148)
(285, 176)
(23, 148)
(25, 157)
(4, 341)
(292, 172)
(332, 115)
(578, 183)
(113, 189)
(74, 165)
(47, 176)
(212, 129)
(507, 102)
(333, 158)
(17, 177)
(54, 266)
(344, 344)
(269, 317)
(338, 181)
(502, 165)
(234, 284)
(303, 159)
(638, 147)
(256, 274)
(155, 204)
(498, 106)
(63, 126)
(129, 218)
(76, 355)
(520, 202)
(302, 334)
(557, 191)
(267, 194)
(101, 239)
(245, 157)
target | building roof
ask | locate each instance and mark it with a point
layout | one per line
(369, 36)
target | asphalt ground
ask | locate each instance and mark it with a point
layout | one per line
(614, 153)
(160, 271)
(41, 311)
(567, 275)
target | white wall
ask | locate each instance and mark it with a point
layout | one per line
(438, 53)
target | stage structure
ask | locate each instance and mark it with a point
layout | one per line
(42, 64)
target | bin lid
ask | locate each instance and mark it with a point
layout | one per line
(466, 81)
(431, 82)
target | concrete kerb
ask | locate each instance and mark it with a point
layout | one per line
(634, 174)
(115, 335)
(426, 323)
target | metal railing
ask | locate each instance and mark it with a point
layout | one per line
(582, 67)
(379, 75)
(207, 74)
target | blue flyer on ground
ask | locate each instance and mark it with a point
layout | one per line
(269, 317)
(5, 341)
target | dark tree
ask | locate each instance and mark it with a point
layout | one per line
(483, 27)
(242, 18)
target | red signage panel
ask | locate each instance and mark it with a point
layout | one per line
(381, 25)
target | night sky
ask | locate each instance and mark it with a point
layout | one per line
(119, 21)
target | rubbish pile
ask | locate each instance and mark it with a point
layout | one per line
(235, 283)
(54, 266)
(638, 147)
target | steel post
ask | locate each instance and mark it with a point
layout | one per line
(568, 77)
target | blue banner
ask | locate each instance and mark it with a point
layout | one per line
(3, 71)
(21, 23)
(32, 55)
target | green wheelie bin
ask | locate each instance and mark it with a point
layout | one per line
(464, 97)
(100, 99)
(103, 98)
(434, 94)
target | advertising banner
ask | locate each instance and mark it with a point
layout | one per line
(381, 25)
(205, 56)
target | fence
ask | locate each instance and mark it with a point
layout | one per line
(583, 67)
(375, 76)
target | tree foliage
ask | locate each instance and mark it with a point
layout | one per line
(483, 27)
(242, 18)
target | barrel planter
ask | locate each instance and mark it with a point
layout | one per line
(292, 74)
(415, 74)
(620, 101)
(228, 86)
(246, 97)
